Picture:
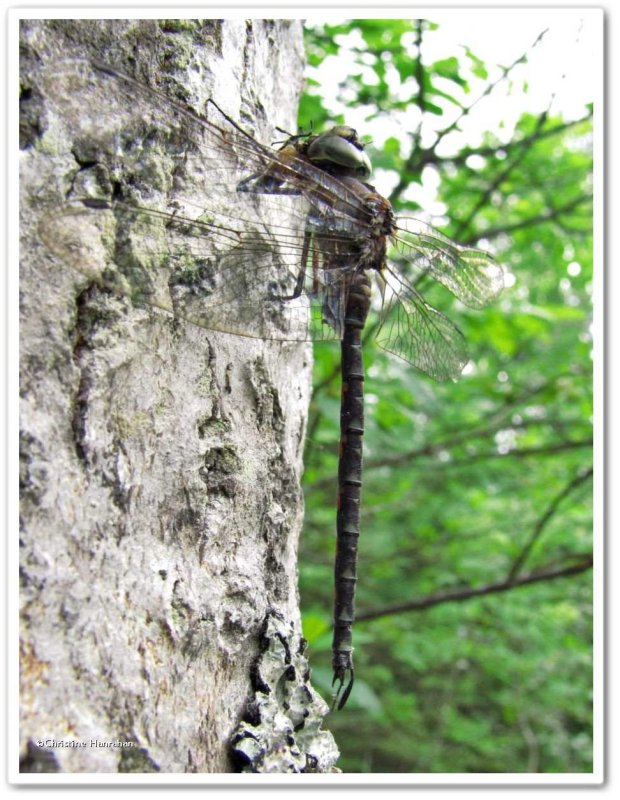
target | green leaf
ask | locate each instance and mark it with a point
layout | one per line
(314, 626)
(478, 67)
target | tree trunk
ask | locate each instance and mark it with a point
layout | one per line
(160, 465)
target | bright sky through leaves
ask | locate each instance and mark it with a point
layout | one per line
(561, 74)
(563, 64)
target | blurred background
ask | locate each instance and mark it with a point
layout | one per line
(474, 633)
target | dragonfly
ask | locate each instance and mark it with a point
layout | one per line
(281, 243)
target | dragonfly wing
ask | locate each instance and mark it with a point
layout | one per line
(121, 114)
(470, 274)
(415, 331)
(227, 259)
(217, 274)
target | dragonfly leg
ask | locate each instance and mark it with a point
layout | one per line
(301, 275)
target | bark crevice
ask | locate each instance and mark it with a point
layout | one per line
(160, 465)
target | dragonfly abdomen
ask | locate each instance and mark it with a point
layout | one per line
(349, 484)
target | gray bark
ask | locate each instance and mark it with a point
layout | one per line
(160, 466)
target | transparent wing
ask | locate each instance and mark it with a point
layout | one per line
(471, 275)
(415, 331)
(225, 259)
(115, 111)
(227, 277)
(250, 227)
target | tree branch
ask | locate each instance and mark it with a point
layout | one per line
(499, 179)
(419, 76)
(505, 73)
(419, 158)
(454, 438)
(468, 593)
(488, 151)
(571, 486)
(524, 452)
(537, 219)
(430, 450)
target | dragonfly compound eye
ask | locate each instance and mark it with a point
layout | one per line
(332, 149)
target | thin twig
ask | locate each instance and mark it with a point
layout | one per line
(419, 157)
(489, 151)
(550, 511)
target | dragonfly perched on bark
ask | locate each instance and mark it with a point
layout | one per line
(214, 262)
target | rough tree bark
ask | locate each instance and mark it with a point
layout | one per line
(160, 466)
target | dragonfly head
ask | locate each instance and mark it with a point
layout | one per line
(340, 150)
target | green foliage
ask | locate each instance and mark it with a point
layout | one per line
(479, 483)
